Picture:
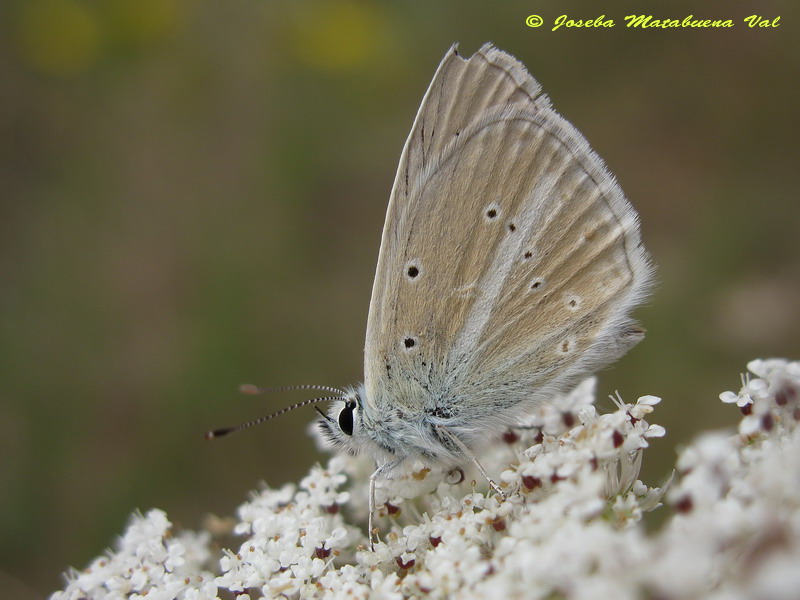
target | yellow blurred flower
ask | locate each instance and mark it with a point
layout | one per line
(134, 23)
(335, 35)
(57, 37)
(67, 37)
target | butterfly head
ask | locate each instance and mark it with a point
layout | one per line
(343, 424)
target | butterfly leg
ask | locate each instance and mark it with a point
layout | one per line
(468, 453)
(381, 471)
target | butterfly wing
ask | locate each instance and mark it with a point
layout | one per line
(509, 260)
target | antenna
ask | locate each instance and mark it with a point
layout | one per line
(251, 389)
(216, 433)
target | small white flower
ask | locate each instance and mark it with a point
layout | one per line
(731, 397)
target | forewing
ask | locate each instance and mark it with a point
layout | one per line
(461, 91)
(510, 262)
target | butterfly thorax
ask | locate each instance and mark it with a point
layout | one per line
(392, 432)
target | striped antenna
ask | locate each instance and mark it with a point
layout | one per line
(251, 389)
(216, 433)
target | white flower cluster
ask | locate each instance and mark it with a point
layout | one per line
(570, 526)
(149, 562)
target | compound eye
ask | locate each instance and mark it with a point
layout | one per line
(346, 418)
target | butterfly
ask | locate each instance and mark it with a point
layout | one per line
(509, 264)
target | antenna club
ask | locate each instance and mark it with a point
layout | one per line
(249, 388)
(215, 433)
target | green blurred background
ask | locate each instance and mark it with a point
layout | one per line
(193, 194)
